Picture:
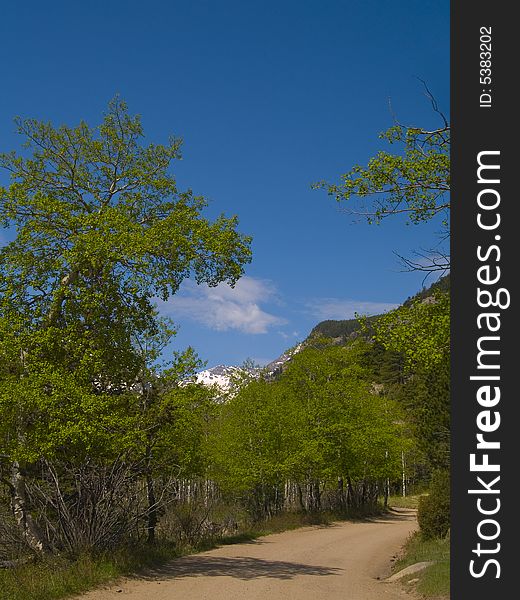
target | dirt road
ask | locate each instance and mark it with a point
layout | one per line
(340, 561)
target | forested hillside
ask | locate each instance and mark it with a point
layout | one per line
(105, 444)
(349, 327)
(341, 330)
(343, 426)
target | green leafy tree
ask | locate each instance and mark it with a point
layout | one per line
(413, 181)
(420, 331)
(250, 434)
(425, 397)
(317, 424)
(101, 230)
(345, 430)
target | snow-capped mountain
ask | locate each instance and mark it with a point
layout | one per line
(224, 377)
(221, 376)
(276, 367)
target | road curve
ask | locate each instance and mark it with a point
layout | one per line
(342, 561)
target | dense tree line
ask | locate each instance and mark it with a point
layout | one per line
(341, 329)
(319, 431)
(411, 180)
(102, 441)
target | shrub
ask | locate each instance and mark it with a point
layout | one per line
(434, 510)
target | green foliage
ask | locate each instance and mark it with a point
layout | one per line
(434, 581)
(102, 229)
(411, 357)
(174, 429)
(442, 285)
(415, 182)
(319, 420)
(420, 331)
(247, 441)
(51, 412)
(343, 426)
(338, 329)
(433, 513)
(426, 398)
(386, 366)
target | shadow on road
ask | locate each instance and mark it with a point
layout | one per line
(248, 568)
(240, 567)
(394, 515)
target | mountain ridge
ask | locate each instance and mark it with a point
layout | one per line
(223, 376)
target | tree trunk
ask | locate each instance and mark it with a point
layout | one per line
(403, 463)
(152, 500)
(300, 497)
(341, 494)
(57, 302)
(152, 509)
(30, 530)
(316, 494)
(351, 495)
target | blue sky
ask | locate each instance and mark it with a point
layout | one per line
(268, 97)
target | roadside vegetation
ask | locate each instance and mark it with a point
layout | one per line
(55, 578)
(106, 445)
(434, 581)
(414, 184)
(432, 542)
(411, 501)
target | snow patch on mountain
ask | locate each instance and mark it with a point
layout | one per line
(225, 377)
(221, 376)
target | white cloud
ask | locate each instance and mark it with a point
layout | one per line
(223, 307)
(337, 308)
(287, 336)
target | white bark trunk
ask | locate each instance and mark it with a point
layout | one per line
(23, 518)
(404, 474)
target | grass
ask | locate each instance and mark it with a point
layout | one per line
(434, 581)
(55, 578)
(58, 578)
(406, 502)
